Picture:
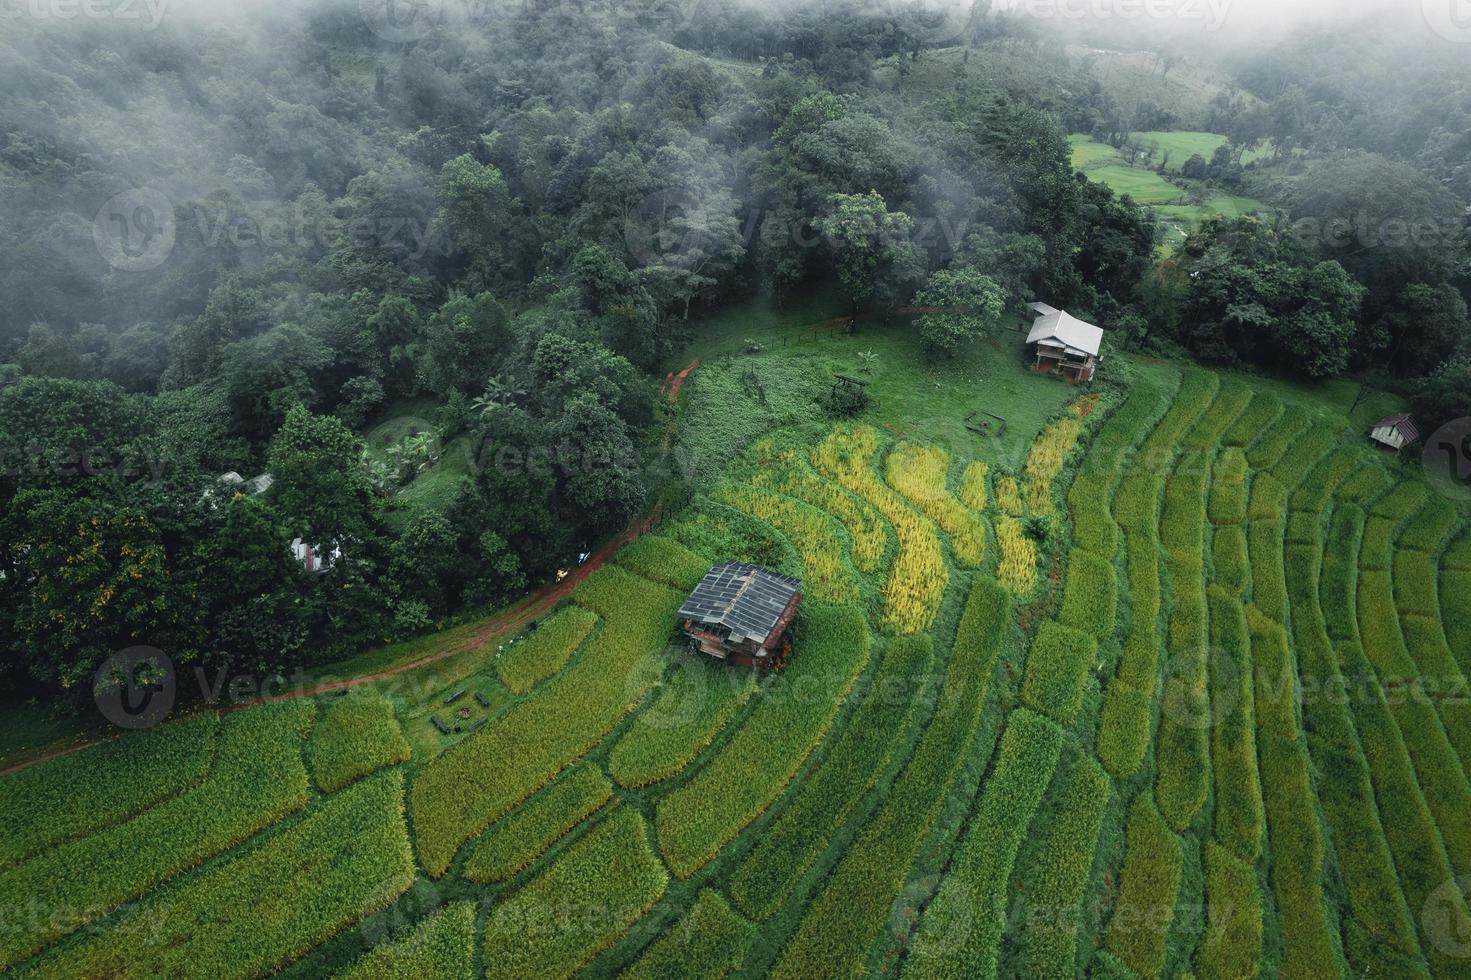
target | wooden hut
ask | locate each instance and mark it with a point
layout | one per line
(741, 613)
(1394, 433)
(1064, 344)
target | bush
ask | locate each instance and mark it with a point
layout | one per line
(1057, 876)
(706, 943)
(545, 929)
(1090, 599)
(847, 401)
(974, 896)
(257, 778)
(1148, 886)
(1057, 669)
(544, 652)
(526, 833)
(443, 945)
(854, 906)
(824, 801)
(522, 750)
(665, 561)
(92, 789)
(347, 858)
(1232, 945)
(357, 735)
(760, 759)
(690, 710)
(920, 473)
(812, 532)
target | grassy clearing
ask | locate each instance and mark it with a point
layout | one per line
(356, 736)
(442, 946)
(523, 836)
(753, 767)
(612, 873)
(542, 653)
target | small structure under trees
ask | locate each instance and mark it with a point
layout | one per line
(741, 613)
(1064, 344)
(1394, 433)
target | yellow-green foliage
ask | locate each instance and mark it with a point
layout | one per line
(787, 472)
(86, 791)
(919, 473)
(357, 735)
(1090, 599)
(705, 943)
(1259, 415)
(526, 833)
(1148, 888)
(1057, 669)
(1046, 458)
(855, 904)
(664, 560)
(758, 761)
(1369, 482)
(478, 779)
(1273, 443)
(1126, 720)
(1268, 580)
(349, 857)
(1232, 945)
(1239, 820)
(1057, 877)
(692, 707)
(961, 932)
(579, 905)
(1228, 488)
(442, 946)
(257, 778)
(810, 531)
(972, 490)
(546, 650)
(1229, 558)
(917, 579)
(1017, 569)
(1009, 496)
(789, 845)
(1429, 528)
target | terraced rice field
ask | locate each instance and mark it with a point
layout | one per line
(1185, 694)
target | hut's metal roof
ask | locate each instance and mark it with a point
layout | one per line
(745, 599)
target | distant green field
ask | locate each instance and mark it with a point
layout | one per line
(1144, 186)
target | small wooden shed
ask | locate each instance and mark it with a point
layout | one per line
(1394, 433)
(741, 613)
(1064, 344)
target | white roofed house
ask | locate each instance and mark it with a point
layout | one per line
(1394, 433)
(1064, 344)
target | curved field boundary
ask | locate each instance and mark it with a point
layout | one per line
(920, 475)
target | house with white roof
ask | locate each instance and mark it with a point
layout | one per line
(1064, 344)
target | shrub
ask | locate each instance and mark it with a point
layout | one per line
(520, 751)
(546, 651)
(97, 787)
(257, 778)
(526, 833)
(1272, 444)
(1232, 945)
(1148, 886)
(790, 844)
(347, 858)
(705, 943)
(972, 489)
(691, 708)
(664, 561)
(811, 532)
(760, 759)
(1258, 417)
(541, 931)
(1057, 669)
(787, 472)
(1057, 877)
(917, 579)
(856, 903)
(1017, 569)
(357, 735)
(973, 898)
(443, 945)
(1090, 599)
(919, 473)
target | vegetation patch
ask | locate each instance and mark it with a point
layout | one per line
(546, 650)
(356, 736)
(442, 946)
(526, 833)
(1057, 668)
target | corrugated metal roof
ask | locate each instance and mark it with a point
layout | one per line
(743, 598)
(1067, 330)
(1402, 424)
